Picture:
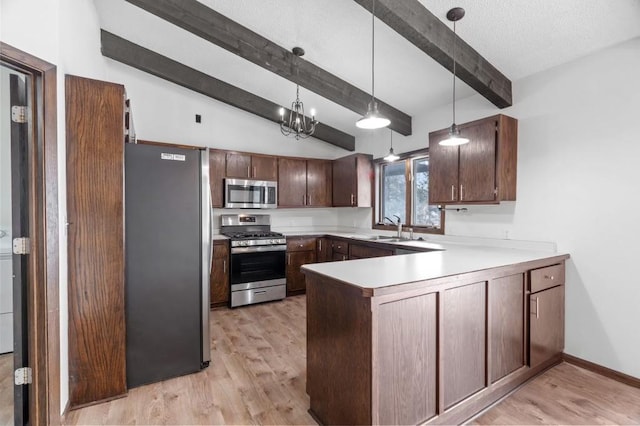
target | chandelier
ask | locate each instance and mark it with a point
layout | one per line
(298, 125)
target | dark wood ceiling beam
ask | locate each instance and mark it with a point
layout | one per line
(131, 54)
(413, 21)
(212, 26)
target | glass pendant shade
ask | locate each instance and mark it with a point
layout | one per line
(373, 119)
(454, 138)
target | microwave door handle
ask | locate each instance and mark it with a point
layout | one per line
(266, 195)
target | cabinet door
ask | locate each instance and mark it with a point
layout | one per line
(478, 163)
(264, 167)
(319, 183)
(344, 182)
(443, 170)
(323, 250)
(217, 165)
(546, 324)
(295, 278)
(238, 165)
(357, 251)
(292, 182)
(219, 280)
(506, 307)
(463, 342)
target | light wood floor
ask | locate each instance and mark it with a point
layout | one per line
(257, 376)
(6, 389)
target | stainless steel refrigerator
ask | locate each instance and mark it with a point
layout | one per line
(168, 259)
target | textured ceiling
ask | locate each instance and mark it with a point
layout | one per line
(519, 37)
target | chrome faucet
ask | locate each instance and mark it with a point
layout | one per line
(399, 224)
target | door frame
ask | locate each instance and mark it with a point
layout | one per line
(42, 288)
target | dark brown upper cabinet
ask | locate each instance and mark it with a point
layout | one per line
(251, 166)
(352, 181)
(482, 171)
(217, 165)
(304, 182)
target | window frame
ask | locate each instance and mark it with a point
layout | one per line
(376, 219)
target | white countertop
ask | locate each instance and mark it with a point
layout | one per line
(456, 259)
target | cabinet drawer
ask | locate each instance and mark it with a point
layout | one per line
(220, 250)
(358, 251)
(301, 244)
(340, 247)
(546, 277)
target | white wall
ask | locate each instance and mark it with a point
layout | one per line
(578, 163)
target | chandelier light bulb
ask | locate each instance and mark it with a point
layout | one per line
(281, 111)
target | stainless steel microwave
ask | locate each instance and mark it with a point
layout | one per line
(250, 194)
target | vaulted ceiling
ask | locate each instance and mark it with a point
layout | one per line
(518, 37)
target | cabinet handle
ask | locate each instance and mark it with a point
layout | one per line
(289, 259)
(308, 200)
(549, 277)
(537, 309)
(352, 199)
(224, 266)
(319, 245)
(461, 191)
(248, 171)
(453, 188)
(344, 257)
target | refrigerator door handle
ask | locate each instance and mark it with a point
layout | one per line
(207, 253)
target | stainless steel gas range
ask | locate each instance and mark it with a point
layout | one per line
(258, 259)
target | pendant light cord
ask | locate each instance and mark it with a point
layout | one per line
(373, 52)
(454, 72)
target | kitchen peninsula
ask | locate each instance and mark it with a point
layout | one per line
(429, 337)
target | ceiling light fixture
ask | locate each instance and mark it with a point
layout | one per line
(392, 155)
(373, 119)
(454, 139)
(298, 125)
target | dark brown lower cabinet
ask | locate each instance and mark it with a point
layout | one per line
(407, 378)
(463, 342)
(324, 250)
(219, 281)
(506, 304)
(546, 324)
(436, 354)
(300, 251)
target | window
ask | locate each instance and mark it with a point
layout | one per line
(403, 191)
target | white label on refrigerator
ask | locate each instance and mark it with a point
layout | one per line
(174, 157)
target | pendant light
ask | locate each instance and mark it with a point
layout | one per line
(391, 157)
(454, 139)
(298, 125)
(373, 119)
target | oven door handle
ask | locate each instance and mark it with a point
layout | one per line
(256, 249)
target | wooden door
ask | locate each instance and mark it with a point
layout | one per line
(219, 283)
(264, 167)
(546, 324)
(506, 307)
(238, 165)
(478, 163)
(95, 194)
(463, 342)
(319, 183)
(217, 165)
(295, 278)
(292, 182)
(344, 182)
(443, 170)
